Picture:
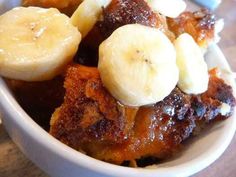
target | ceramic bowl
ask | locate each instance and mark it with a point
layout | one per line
(59, 160)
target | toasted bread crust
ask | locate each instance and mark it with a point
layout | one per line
(91, 120)
(200, 25)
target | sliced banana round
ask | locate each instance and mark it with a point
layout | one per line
(36, 43)
(169, 8)
(193, 71)
(137, 65)
(87, 14)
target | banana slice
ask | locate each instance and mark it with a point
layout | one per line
(87, 14)
(193, 78)
(137, 65)
(169, 8)
(36, 43)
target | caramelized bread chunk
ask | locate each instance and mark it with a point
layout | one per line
(92, 121)
(122, 12)
(89, 113)
(157, 132)
(117, 14)
(207, 106)
(200, 25)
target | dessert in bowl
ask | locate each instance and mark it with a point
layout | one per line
(78, 124)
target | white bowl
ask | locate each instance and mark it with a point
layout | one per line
(59, 160)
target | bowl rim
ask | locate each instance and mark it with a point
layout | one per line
(14, 110)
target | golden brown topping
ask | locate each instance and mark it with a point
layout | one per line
(89, 112)
(122, 12)
(200, 25)
(117, 14)
(91, 120)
